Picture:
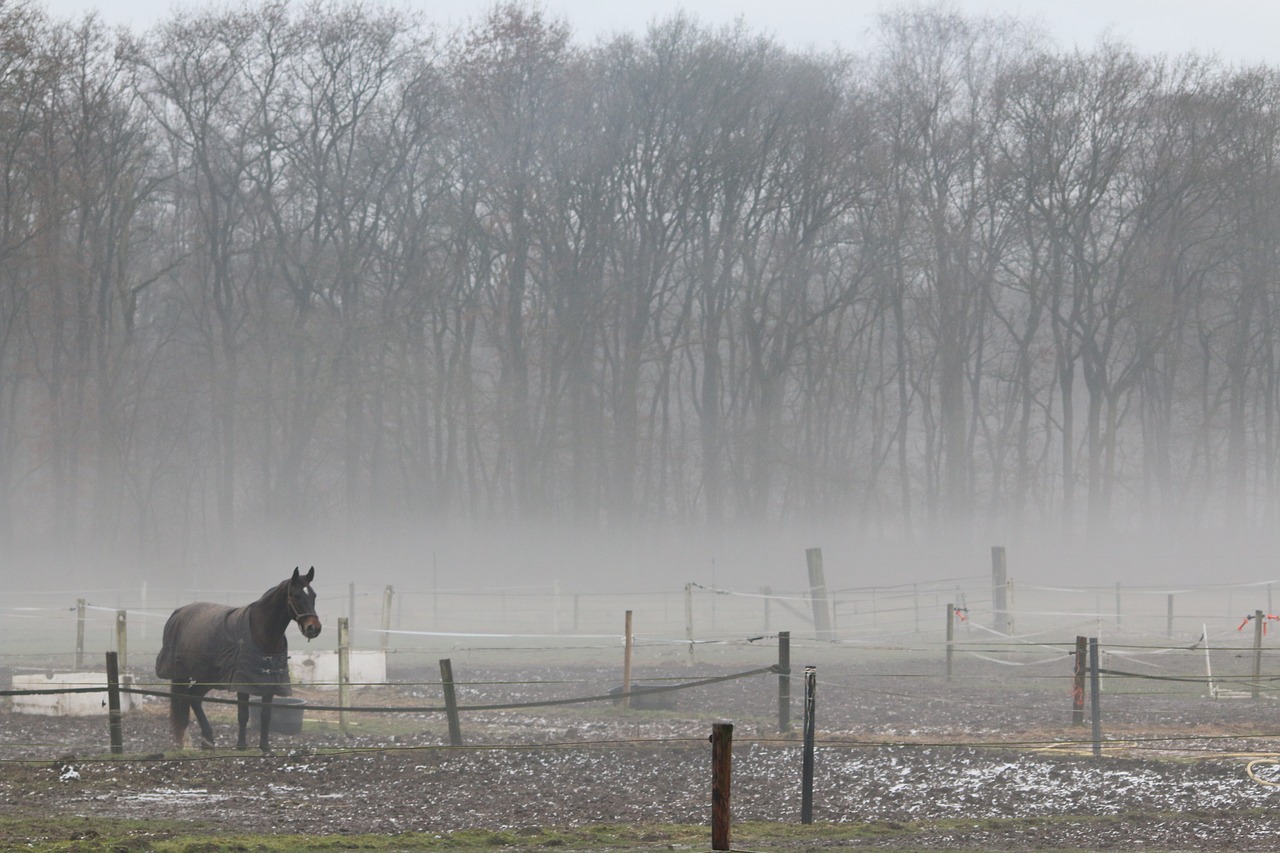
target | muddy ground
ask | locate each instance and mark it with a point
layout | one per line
(985, 760)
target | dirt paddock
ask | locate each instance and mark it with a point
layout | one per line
(982, 761)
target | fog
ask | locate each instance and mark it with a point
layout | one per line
(324, 285)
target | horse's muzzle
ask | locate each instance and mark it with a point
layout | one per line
(309, 626)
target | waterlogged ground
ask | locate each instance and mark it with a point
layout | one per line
(983, 761)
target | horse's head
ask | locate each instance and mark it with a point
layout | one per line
(302, 603)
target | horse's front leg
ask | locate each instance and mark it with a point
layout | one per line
(265, 719)
(242, 719)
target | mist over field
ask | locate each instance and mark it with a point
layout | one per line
(295, 285)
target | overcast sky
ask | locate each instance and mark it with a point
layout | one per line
(1239, 31)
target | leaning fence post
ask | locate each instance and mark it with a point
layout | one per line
(818, 594)
(122, 638)
(79, 633)
(806, 782)
(721, 784)
(344, 671)
(784, 681)
(114, 723)
(1257, 653)
(450, 702)
(1095, 696)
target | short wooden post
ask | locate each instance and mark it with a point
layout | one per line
(1168, 619)
(388, 596)
(784, 681)
(1077, 681)
(344, 671)
(951, 636)
(818, 594)
(122, 638)
(1119, 609)
(810, 727)
(1258, 618)
(721, 784)
(766, 592)
(626, 663)
(450, 702)
(999, 590)
(1095, 696)
(80, 604)
(115, 727)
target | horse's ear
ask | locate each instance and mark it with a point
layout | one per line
(295, 573)
(310, 574)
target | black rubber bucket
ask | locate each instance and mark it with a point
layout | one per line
(286, 715)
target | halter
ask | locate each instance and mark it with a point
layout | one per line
(298, 616)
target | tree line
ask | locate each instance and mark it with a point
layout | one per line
(328, 264)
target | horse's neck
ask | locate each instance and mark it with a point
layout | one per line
(269, 618)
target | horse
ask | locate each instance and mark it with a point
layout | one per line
(242, 649)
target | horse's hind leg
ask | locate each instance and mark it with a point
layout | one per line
(206, 730)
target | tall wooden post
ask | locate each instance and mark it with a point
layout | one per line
(1077, 681)
(122, 638)
(721, 784)
(999, 590)
(1258, 618)
(626, 664)
(115, 726)
(1119, 608)
(784, 681)
(810, 729)
(1168, 619)
(80, 604)
(344, 671)
(818, 593)
(387, 596)
(450, 702)
(1095, 695)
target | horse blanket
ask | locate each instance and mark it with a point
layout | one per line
(211, 644)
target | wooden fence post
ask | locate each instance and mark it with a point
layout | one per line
(1077, 681)
(999, 590)
(1258, 619)
(721, 784)
(388, 595)
(810, 706)
(818, 594)
(122, 638)
(784, 681)
(626, 663)
(1095, 696)
(115, 726)
(344, 671)
(688, 617)
(450, 702)
(80, 633)
(951, 636)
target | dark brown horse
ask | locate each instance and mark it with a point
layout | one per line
(243, 649)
